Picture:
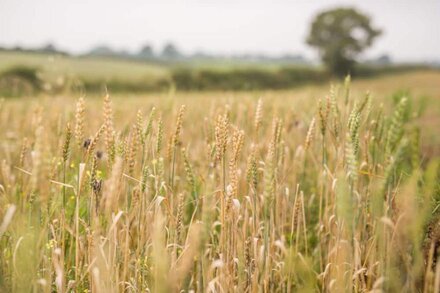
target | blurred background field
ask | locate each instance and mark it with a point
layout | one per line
(85, 68)
(27, 73)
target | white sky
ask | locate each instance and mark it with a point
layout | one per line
(411, 27)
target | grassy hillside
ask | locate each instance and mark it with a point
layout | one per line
(107, 68)
(92, 68)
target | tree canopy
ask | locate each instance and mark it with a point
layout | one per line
(170, 51)
(340, 35)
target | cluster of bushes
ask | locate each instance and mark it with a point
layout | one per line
(245, 79)
(257, 79)
(19, 81)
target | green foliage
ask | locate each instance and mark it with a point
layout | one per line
(340, 35)
(244, 79)
(27, 73)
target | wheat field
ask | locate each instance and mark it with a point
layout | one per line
(217, 193)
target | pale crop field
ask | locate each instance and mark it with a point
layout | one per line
(323, 188)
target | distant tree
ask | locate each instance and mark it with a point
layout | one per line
(123, 53)
(384, 59)
(146, 51)
(170, 51)
(340, 35)
(49, 48)
(102, 50)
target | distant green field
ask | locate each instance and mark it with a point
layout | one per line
(86, 68)
(103, 68)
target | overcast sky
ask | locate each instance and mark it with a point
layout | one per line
(411, 27)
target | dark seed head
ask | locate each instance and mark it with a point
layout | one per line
(97, 185)
(86, 143)
(99, 154)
